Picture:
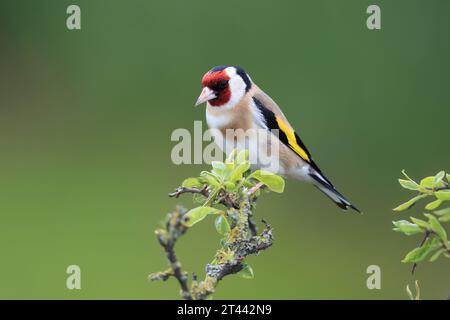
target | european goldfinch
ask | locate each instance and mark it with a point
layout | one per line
(234, 101)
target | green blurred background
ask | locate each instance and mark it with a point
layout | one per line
(86, 118)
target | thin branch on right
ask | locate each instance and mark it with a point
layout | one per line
(434, 243)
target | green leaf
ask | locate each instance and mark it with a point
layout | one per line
(218, 168)
(198, 214)
(409, 203)
(229, 186)
(427, 182)
(445, 217)
(438, 177)
(222, 225)
(242, 156)
(272, 181)
(408, 184)
(211, 178)
(246, 272)
(406, 227)
(435, 243)
(420, 223)
(229, 167)
(407, 177)
(198, 198)
(436, 255)
(437, 227)
(443, 194)
(448, 177)
(433, 204)
(192, 182)
(231, 158)
(442, 212)
(418, 254)
(223, 170)
(218, 165)
(238, 172)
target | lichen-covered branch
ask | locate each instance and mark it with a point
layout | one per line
(228, 185)
(229, 259)
(224, 199)
(167, 238)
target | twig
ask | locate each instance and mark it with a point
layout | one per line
(224, 199)
(180, 190)
(445, 187)
(167, 239)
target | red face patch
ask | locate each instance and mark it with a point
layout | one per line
(212, 80)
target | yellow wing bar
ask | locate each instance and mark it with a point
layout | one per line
(292, 140)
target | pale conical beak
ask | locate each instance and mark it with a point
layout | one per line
(206, 95)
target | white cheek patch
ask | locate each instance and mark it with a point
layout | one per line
(237, 88)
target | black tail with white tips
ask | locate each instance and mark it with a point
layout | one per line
(324, 185)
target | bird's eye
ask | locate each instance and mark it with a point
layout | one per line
(219, 86)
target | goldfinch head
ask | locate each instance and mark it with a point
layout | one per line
(224, 86)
